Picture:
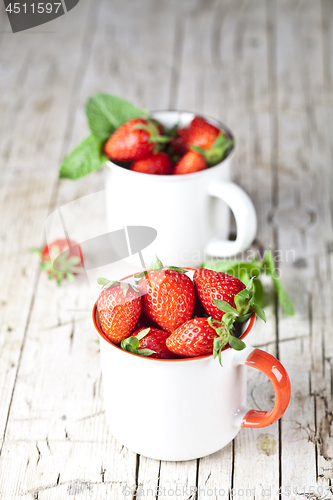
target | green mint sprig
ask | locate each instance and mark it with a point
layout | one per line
(105, 113)
(245, 270)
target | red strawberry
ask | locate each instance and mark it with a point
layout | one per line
(158, 164)
(149, 342)
(66, 257)
(144, 322)
(134, 140)
(208, 140)
(202, 134)
(195, 337)
(167, 297)
(119, 307)
(190, 162)
(179, 143)
(212, 285)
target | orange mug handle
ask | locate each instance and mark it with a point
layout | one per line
(277, 374)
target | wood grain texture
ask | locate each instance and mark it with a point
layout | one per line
(265, 68)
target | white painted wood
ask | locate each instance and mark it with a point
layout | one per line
(303, 221)
(266, 69)
(25, 197)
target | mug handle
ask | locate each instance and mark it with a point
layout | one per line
(245, 216)
(277, 374)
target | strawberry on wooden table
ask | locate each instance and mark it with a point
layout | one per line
(167, 296)
(148, 342)
(189, 163)
(119, 307)
(68, 256)
(158, 164)
(134, 140)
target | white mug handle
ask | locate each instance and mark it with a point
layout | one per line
(245, 216)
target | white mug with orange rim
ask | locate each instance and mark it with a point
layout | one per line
(189, 212)
(182, 409)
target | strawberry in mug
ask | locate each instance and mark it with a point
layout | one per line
(189, 389)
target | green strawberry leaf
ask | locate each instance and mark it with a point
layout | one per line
(70, 277)
(220, 140)
(35, 250)
(259, 312)
(216, 155)
(158, 266)
(229, 320)
(224, 306)
(236, 343)
(244, 317)
(250, 287)
(46, 266)
(85, 158)
(107, 112)
(143, 333)
(130, 344)
(145, 352)
(138, 276)
(240, 302)
(103, 281)
(243, 293)
(124, 288)
(178, 269)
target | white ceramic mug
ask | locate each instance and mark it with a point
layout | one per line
(185, 408)
(190, 212)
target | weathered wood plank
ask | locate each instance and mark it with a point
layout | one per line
(60, 357)
(25, 196)
(303, 223)
(232, 83)
(61, 469)
(265, 68)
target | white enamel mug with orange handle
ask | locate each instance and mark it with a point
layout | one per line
(182, 409)
(190, 212)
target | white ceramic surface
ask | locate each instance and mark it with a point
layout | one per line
(190, 212)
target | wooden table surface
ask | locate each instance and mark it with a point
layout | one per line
(265, 68)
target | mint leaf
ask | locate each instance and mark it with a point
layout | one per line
(85, 158)
(283, 297)
(106, 113)
(245, 270)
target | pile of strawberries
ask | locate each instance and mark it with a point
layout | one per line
(152, 150)
(169, 316)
